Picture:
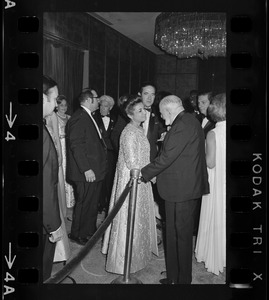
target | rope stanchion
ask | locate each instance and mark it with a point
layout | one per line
(67, 269)
(127, 278)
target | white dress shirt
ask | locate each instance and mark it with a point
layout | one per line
(205, 120)
(90, 114)
(146, 123)
(106, 121)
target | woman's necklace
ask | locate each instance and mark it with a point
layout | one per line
(62, 116)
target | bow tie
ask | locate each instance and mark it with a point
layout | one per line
(106, 116)
(148, 108)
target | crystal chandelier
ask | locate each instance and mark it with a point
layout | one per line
(191, 34)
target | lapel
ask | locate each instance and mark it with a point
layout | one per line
(100, 139)
(178, 117)
(207, 124)
(151, 124)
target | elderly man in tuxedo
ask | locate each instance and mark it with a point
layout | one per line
(86, 166)
(106, 121)
(52, 231)
(182, 178)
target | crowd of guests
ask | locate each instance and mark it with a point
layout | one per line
(180, 148)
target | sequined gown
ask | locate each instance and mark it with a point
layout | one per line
(133, 153)
(211, 238)
(69, 193)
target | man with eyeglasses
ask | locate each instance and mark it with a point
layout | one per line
(86, 166)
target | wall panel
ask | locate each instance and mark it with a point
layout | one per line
(111, 78)
(117, 65)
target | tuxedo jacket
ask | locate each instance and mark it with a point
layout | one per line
(106, 133)
(155, 129)
(208, 126)
(85, 149)
(180, 166)
(51, 211)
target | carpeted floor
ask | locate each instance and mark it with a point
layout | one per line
(91, 269)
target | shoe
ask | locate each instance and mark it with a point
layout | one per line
(166, 281)
(78, 240)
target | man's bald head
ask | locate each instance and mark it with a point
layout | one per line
(170, 107)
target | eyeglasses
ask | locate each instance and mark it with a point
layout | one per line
(97, 98)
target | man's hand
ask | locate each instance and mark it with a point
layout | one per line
(90, 176)
(56, 235)
(162, 137)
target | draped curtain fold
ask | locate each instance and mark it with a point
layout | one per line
(65, 65)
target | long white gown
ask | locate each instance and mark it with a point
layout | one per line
(134, 153)
(69, 193)
(211, 238)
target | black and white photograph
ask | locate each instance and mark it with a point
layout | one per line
(140, 92)
(120, 165)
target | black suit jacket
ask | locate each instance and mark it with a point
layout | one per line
(208, 126)
(85, 149)
(106, 134)
(155, 129)
(180, 166)
(51, 212)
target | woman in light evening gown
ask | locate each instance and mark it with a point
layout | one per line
(211, 238)
(62, 250)
(62, 120)
(134, 152)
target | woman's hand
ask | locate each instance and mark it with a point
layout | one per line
(153, 180)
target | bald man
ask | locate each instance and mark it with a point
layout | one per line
(182, 178)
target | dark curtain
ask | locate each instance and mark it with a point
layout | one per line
(65, 65)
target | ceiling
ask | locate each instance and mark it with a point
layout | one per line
(138, 26)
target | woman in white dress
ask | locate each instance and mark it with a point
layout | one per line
(134, 152)
(62, 120)
(62, 250)
(211, 238)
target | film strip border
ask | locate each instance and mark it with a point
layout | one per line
(22, 155)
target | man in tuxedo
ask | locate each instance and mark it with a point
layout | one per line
(204, 99)
(52, 231)
(182, 178)
(106, 121)
(153, 128)
(86, 166)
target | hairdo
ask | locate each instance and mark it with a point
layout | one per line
(84, 95)
(147, 83)
(122, 99)
(130, 104)
(208, 94)
(108, 99)
(217, 108)
(60, 98)
(48, 83)
(171, 99)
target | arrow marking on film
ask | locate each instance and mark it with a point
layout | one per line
(9, 120)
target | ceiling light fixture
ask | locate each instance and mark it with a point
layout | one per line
(191, 34)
